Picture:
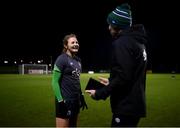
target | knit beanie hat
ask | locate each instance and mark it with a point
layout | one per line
(120, 17)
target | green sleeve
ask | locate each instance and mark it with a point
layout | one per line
(55, 83)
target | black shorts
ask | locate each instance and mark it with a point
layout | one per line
(69, 109)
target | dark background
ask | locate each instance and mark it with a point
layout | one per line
(33, 30)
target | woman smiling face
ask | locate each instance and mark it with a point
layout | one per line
(72, 46)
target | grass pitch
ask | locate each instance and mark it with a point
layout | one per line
(28, 101)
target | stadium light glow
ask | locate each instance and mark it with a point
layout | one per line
(6, 62)
(90, 72)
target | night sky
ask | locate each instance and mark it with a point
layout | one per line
(30, 29)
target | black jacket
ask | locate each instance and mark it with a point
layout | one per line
(128, 75)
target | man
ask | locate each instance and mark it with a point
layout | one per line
(126, 85)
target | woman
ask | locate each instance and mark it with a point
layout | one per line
(66, 84)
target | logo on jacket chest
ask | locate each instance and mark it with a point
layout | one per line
(144, 54)
(76, 73)
(76, 70)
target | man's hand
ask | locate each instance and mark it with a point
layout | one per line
(91, 92)
(103, 80)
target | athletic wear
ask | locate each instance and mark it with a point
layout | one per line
(127, 76)
(66, 85)
(69, 80)
(67, 109)
(55, 83)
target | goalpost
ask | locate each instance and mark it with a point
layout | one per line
(33, 69)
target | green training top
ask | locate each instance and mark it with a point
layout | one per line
(55, 83)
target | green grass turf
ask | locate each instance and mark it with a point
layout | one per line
(28, 100)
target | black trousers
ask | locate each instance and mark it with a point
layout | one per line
(124, 121)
